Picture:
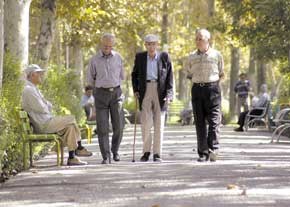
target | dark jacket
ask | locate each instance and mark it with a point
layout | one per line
(165, 77)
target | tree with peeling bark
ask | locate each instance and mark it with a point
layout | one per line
(47, 32)
(16, 27)
(1, 41)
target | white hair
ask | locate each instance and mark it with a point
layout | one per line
(203, 32)
(108, 36)
(263, 88)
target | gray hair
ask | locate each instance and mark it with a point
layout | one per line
(263, 88)
(108, 36)
(203, 32)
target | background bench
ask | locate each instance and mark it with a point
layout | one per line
(174, 110)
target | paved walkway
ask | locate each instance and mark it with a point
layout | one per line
(250, 172)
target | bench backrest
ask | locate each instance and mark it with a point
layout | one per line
(24, 123)
(266, 109)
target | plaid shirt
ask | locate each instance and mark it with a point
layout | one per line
(242, 88)
(205, 67)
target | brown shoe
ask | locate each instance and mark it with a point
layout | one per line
(75, 161)
(212, 156)
(83, 153)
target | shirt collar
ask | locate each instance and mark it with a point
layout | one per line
(101, 54)
(155, 57)
(28, 82)
(206, 52)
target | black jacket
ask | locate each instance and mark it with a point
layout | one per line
(165, 77)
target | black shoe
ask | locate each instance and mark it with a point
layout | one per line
(107, 159)
(116, 157)
(145, 157)
(239, 129)
(156, 158)
(203, 158)
(105, 162)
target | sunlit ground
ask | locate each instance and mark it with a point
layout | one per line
(250, 172)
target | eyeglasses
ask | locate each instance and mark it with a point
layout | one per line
(108, 46)
(198, 39)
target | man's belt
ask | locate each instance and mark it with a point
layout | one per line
(205, 84)
(111, 89)
(151, 81)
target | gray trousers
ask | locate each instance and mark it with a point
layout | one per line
(242, 102)
(109, 102)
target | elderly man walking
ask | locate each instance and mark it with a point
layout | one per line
(205, 69)
(105, 73)
(152, 81)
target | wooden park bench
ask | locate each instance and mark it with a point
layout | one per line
(174, 110)
(29, 137)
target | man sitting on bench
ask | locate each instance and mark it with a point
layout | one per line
(257, 102)
(43, 121)
(88, 103)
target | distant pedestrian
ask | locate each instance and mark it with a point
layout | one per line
(206, 68)
(242, 89)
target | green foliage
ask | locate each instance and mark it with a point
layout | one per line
(263, 24)
(130, 105)
(10, 153)
(61, 89)
(284, 96)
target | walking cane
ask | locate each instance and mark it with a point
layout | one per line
(135, 124)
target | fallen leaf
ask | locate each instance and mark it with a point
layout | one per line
(231, 186)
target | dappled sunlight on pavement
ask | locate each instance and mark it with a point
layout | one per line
(250, 171)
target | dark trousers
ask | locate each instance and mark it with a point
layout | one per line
(243, 115)
(206, 100)
(109, 103)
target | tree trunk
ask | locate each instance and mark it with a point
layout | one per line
(1, 41)
(67, 62)
(164, 29)
(235, 68)
(57, 54)
(16, 30)
(47, 31)
(211, 12)
(182, 87)
(78, 67)
(252, 70)
(211, 7)
(261, 73)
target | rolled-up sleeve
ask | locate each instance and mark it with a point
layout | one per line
(122, 74)
(221, 65)
(91, 73)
